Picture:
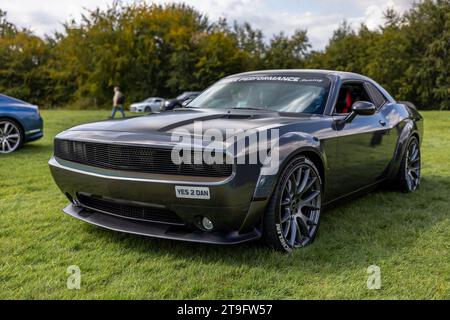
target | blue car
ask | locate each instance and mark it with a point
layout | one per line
(20, 122)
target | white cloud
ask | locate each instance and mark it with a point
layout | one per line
(374, 11)
(47, 15)
(319, 18)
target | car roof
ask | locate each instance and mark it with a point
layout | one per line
(340, 74)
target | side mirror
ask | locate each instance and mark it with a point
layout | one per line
(186, 102)
(361, 108)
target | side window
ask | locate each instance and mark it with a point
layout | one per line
(379, 98)
(349, 94)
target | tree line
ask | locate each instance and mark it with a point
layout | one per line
(162, 50)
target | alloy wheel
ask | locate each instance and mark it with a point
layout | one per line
(413, 166)
(300, 206)
(9, 137)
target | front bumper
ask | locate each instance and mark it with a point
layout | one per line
(33, 136)
(36, 132)
(230, 207)
(159, 230)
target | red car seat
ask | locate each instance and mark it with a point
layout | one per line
(348, 102)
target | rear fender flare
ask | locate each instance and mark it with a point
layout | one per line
(407, 131)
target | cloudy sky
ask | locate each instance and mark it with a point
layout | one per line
(319, 17)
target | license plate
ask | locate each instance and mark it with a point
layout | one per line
(192, 192)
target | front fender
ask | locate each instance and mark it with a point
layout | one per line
(289, 145)
(13, 116)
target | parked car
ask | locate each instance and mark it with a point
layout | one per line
(178, 101)
(153, 104)
(20, 122)
(340, 134)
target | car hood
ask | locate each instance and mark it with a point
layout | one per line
(184, 120)
(19, 105)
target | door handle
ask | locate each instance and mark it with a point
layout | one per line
(382, 122)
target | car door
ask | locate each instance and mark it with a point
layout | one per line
(364, 148)
(153, 105)
(158, 104)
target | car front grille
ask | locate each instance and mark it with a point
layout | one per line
(136, 159)
(130, 211)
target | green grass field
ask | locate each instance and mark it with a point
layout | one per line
(406, 235)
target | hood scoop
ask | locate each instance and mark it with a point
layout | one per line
(238, 116)
(228, 116)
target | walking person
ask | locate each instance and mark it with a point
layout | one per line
(118, 101)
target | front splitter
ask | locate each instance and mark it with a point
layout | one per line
(158, 230)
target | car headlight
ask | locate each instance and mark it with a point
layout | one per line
(166, 103)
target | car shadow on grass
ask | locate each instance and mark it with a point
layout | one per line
(372, 228)
(30, 149)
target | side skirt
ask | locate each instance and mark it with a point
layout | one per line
(354, 194)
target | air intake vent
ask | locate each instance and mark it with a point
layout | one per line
(238, 116)
(130, 211)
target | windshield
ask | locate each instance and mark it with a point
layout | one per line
(277, 93)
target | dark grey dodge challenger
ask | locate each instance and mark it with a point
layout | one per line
(337, 135)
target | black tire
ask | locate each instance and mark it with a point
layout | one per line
(147, 109)
(13, 128)
(288, 216)
(408, 178)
